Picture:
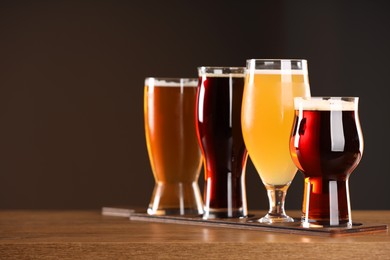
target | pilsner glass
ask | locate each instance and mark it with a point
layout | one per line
(267, 120)
(326, 145)
(218, 122)
(174, 153)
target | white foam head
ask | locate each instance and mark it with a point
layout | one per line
(221, 75)
(326, 103)
(277, 66)
(171, 82)
(233, 72)
(280, 72)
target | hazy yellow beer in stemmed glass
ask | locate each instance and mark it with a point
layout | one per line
(267, 120)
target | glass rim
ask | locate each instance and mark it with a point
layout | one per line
(345, 98)
(279, 65)
(326, 103)
(221, 71)
(171, 82)
(270, 60)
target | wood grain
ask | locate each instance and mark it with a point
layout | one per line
(89, 235)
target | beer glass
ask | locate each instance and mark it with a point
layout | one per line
(218, 123)
(174, 153)
(326, 145)
(267, 120)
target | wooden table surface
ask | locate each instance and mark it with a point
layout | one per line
(89, 235)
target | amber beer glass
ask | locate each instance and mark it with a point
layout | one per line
(218, 122)
(267, 120)
(326, 145)
(174, 153)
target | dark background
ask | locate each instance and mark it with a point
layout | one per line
(72, 76)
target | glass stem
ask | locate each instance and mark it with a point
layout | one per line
(276, 197)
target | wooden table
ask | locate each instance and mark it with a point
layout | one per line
(89, 235)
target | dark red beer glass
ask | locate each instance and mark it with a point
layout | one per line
(326, 145)
(218, 124)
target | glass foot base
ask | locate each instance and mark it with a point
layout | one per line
(224, 213)
(174, 211)
(176, 199)
(271, 218)
(325, 222)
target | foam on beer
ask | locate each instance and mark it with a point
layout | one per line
(324, 104)
(154, 82)
(239, 75)
(282, 71)
(220, 74)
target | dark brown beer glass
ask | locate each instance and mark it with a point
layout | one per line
(326, 145)
(174, 153)
(218, 123)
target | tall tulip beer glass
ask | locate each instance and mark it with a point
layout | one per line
(218, 122)
(326, 145)
(174, 153)
(267, 120)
